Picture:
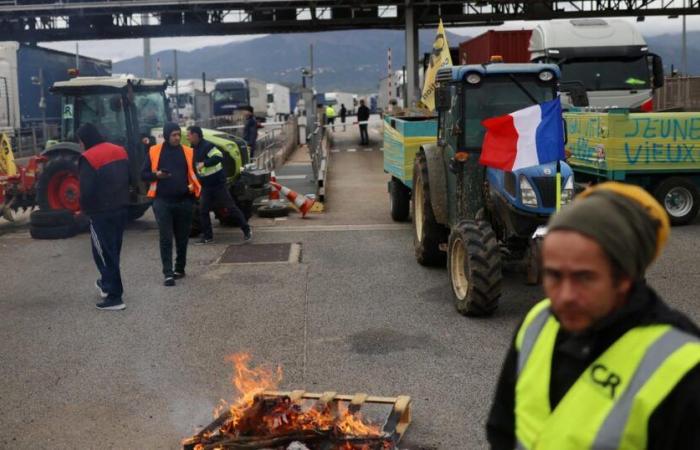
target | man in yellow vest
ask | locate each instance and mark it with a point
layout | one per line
(173, 186)
(330, 116)
(603, 362)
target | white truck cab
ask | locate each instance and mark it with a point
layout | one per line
(607, 57)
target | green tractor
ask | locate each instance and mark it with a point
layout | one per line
(472, 217)
(129, 112)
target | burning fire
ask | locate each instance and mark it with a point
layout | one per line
(254, 415)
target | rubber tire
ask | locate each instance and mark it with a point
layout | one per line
(272, 211)
(60, 232)
(136, 211)
(666, 185)
(399, 200)
(427, 246)
(533, 261)
(56, 163)
(482, 267)
(47, 218)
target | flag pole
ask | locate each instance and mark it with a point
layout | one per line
(558, 186)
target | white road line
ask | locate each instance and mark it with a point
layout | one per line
(351, 150)
(369, 149)
(330, 228)
(335, 150)
(291, 177)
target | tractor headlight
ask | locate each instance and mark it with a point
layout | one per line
(473, 78)
(527, 193)
(546, 75)
(567, 194)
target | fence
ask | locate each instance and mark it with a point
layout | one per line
(31, 141)
(678, 93)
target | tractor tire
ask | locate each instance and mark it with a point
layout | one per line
(680, 198)
(474, 265)
(273, 210)
(428, 234)
(58, 186)
(137, 211)
(59, 232)
(49, 218)
(399, 200)
(533, 261)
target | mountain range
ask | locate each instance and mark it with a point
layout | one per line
(350, 61)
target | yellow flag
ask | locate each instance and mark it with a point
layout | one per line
(439, 58)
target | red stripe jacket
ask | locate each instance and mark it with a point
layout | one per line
(104, 178)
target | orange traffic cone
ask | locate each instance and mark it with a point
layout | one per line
(303, 203)
(274, 192)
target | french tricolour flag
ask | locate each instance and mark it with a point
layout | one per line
(524, 138)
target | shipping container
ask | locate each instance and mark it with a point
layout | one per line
(512, 45)
(20, 91)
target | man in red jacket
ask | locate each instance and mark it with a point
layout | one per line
(104, 198)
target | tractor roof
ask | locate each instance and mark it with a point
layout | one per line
(108, 83)
(457, 73)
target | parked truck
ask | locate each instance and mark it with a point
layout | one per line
(608, 58)
(658, 151)
(27, 71)
(191, 100)
(337, 99)
(278, 101)
(231, 93)
(466, 215)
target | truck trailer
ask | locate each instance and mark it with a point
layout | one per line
(608, 58)
(278, 107)
(187, 100)
(22, 84)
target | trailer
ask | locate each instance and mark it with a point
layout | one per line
(278, 101)
(191, 101)
(657, 151)
(230, 94)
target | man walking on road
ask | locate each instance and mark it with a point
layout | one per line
(250, 131)
(330, 117)
(363, 116)
(104, 198)
(603, 363)
(169, 168)
(343, 114)
(210, 171)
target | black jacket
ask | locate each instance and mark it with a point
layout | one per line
(200, 155)
(104, 178)
(674, 424)
(362, 113)
(176, 186)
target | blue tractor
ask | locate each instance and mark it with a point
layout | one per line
(482, 217)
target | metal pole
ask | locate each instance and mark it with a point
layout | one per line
(684, 51)
(411, 55)
(177, 89)
(311, 60)
(77, 57)
(204, 82)
(146, 50)
(42, 103)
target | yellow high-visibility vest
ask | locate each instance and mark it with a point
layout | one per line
(609, 406)
(330, 112)
(204, 171)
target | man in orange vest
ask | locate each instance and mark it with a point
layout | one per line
(173, 187)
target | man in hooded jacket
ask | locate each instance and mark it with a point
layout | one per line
(173, 186)
(104, 198)
(603, 362)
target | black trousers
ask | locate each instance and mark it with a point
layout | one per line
(174, 220)
(364, 136)
(218, 197)
(331, 122)
(106, 232)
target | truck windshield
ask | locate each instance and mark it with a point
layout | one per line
(105, 111)
(605, 74)
(150, 110)
(497, 96)
(230, 95)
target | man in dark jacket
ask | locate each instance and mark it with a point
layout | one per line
(363, 116)
(343, 114)
(169, 168)
(104, 198)
(603, 363)
(209, 163)
(250, 131)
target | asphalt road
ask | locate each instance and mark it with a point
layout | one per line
(357, 314)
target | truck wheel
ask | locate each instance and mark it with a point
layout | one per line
(399, 200)
(679, 197)
(428, 234)
(58, 186)
(474, 265)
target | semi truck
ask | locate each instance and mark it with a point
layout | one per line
(608, 58)
(192, 99)
(27, 71)
(278, 101)
(231, 93)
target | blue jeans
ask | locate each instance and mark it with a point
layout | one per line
(174, 220)
(106, 232)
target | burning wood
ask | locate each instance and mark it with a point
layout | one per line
(262, 418)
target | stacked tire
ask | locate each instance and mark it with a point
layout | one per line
(55, 224)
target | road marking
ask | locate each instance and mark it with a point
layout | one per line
(335, 150)
(291, 177)
(369, 149)
(351, 150)
(332, 228)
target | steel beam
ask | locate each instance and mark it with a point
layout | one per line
(411, 32)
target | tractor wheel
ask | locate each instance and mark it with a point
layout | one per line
(474, 265)
(45, 218)
(428, 234)
(533, 261)
(137, 211)
(53, 232)
(680, 198)
(58, 186)
(399, 200)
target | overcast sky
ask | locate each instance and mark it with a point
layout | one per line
(118, 49)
